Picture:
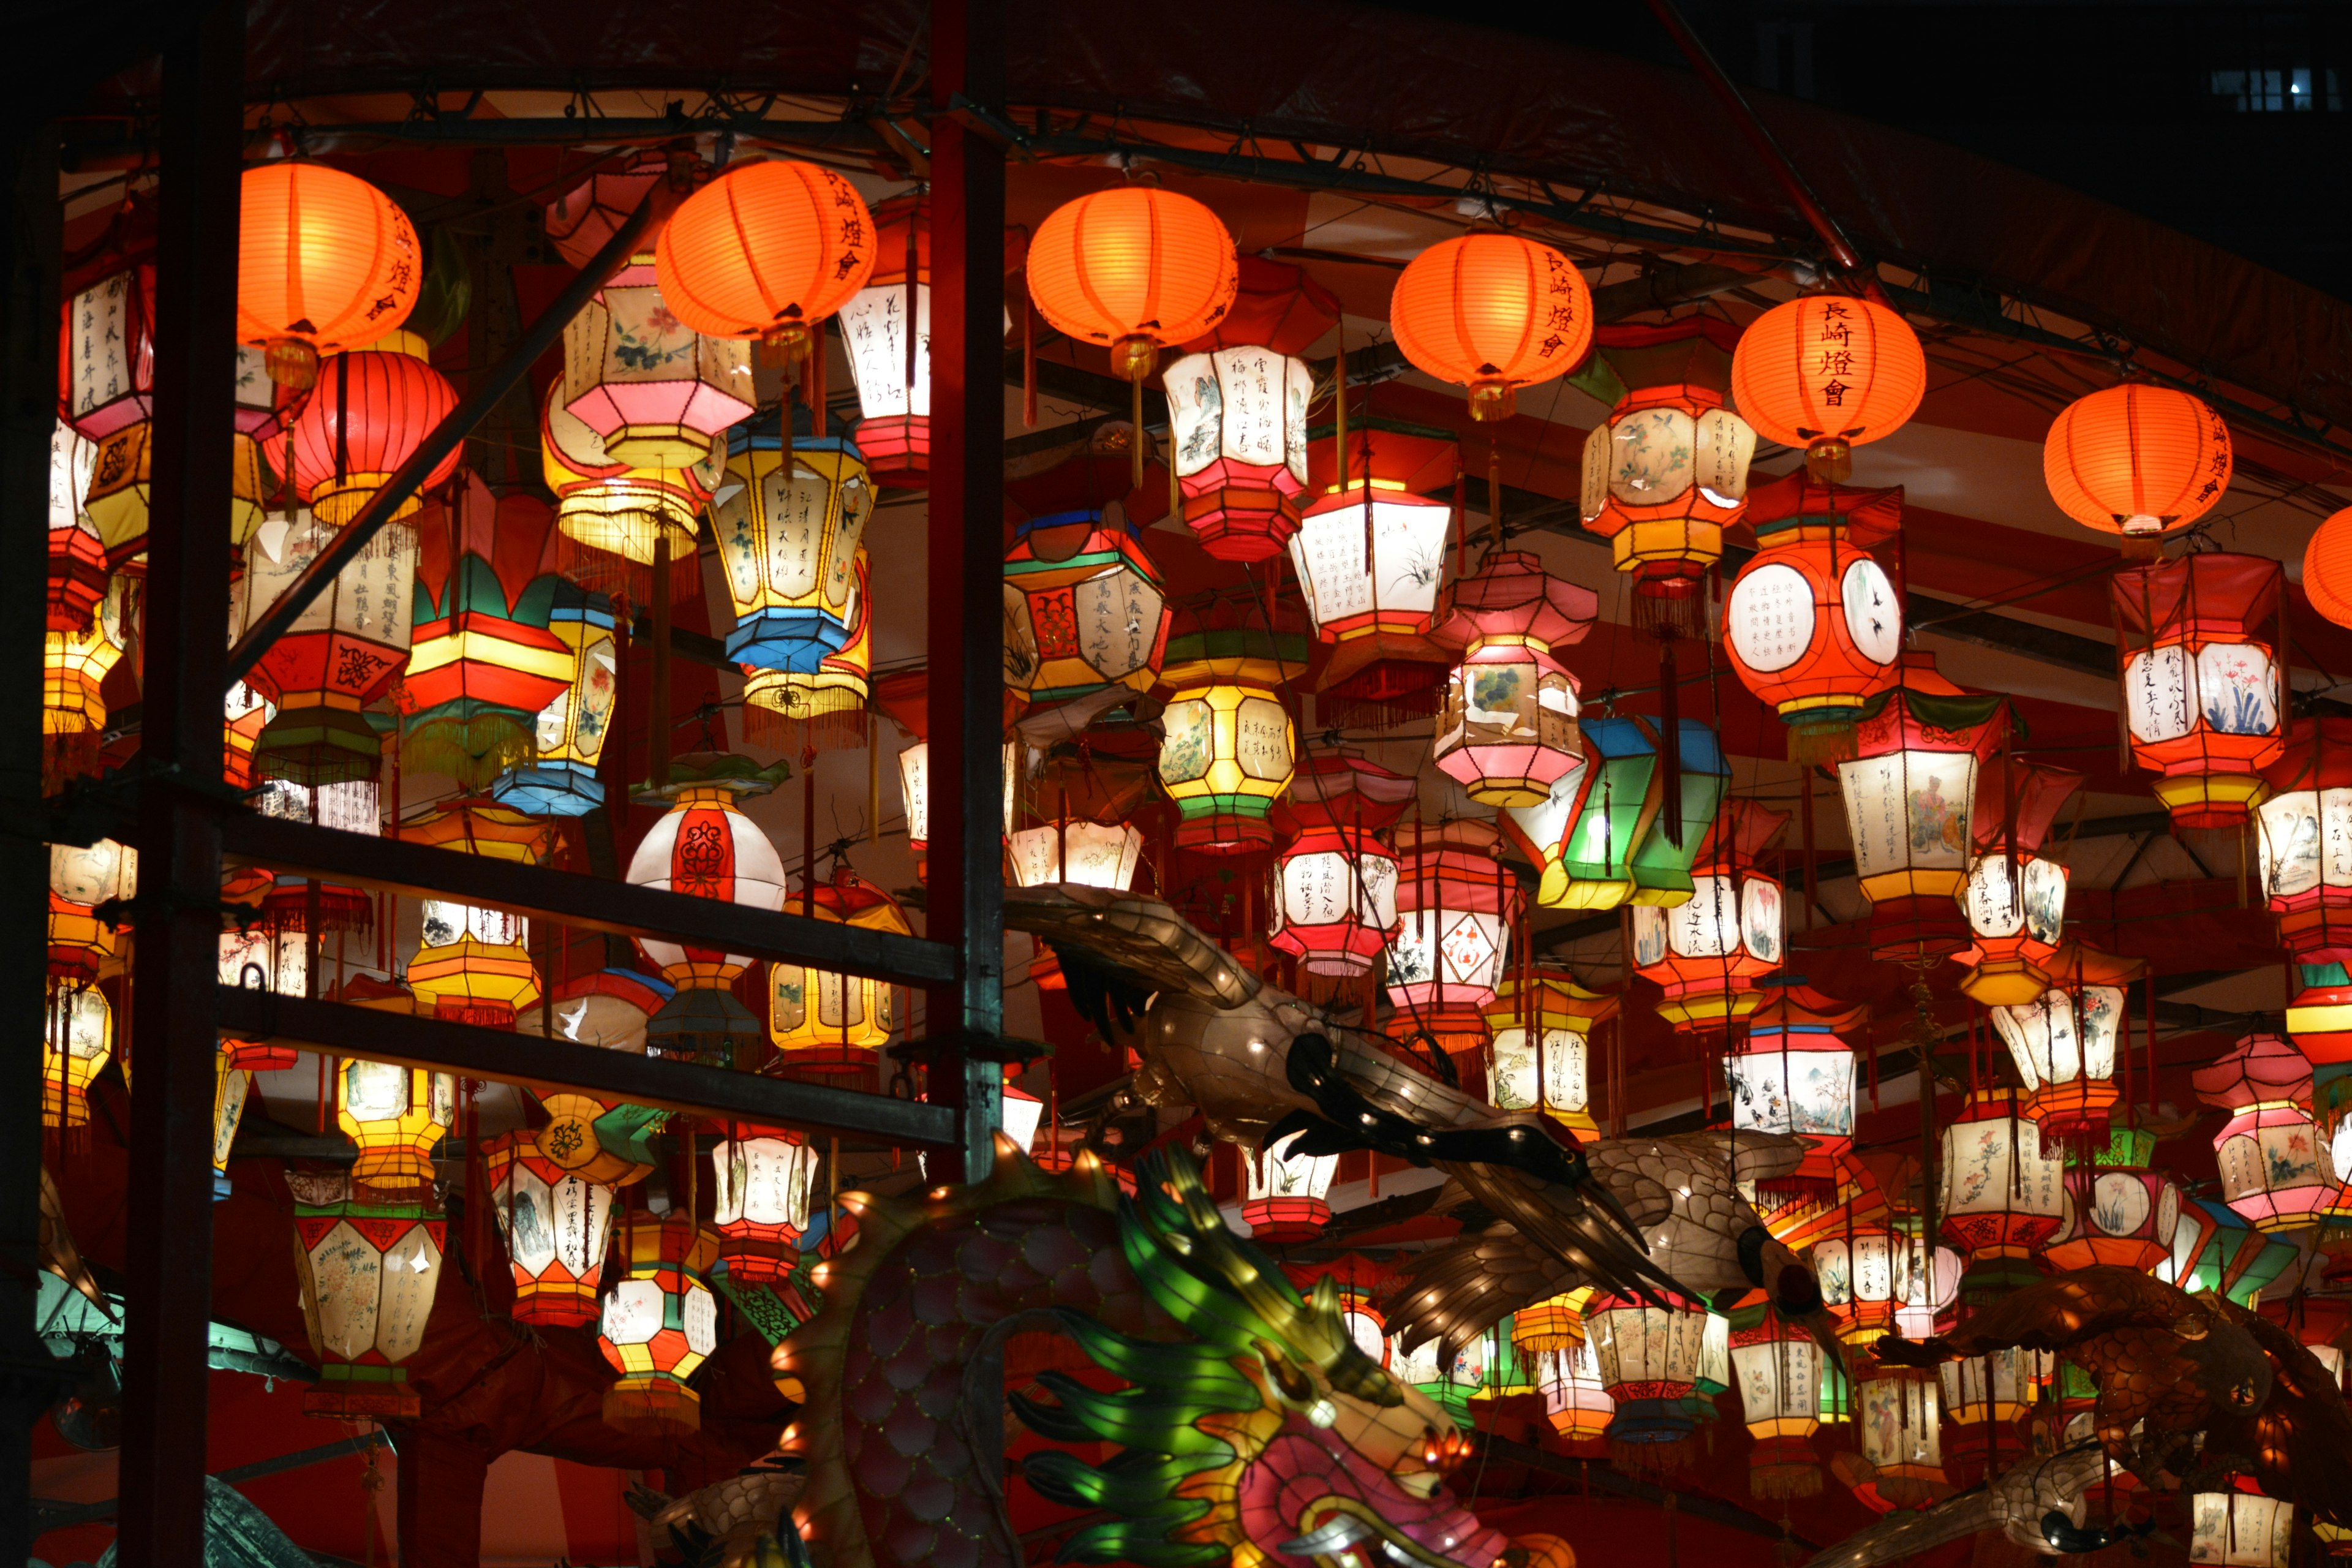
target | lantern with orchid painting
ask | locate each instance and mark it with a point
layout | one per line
(2015, 897)
(368, 1272)
(1812, 624)
(761, 1181)
(1778, 1371)
(1539, 1055)
(659, 1323)
(76, 1045)
(474, 964)
(1708, 952)
(1576, 1402)
(2198, 638)
(1457, 905)
(1648, 1356)
(828, 1021)
(1667, 470)
(1287, 1198)
(1909, 794)
(2064, 1044)
(568, 738)
(614, 520)
(1508, 732)
(397, 1115)
(1335, 906)
(1085, 608)
(1229, 745)
(1792, 1072)
(2273, 1170)
(2001, 1197)
(2119, 1211)
(789, 521)
(652, 388)
(557, 1225)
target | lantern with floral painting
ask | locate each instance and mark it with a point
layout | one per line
(1287, 1198)
(1229, 745)
(1335, 905)
(368, 1271)
(2119, 1211)
(2273, 1170)
(557, 1225)
(2304, 830)
(2001, 1197)
(1446, 1381)
(1708, 952)
(1538, 1056)
(1901, 1417)
(1648, 1357)
(1667, 470)
(822, 709)
(834, 1023)
(2197, 640)
(1508, 731)
(705, 847)
(2015, 897)
(76, 1045)
(76, 558)
(1792, 1072)
(568, 738)
(761, 1180)
(1577, 1404)
(474, 964)
(1909, 795)
(1778, 1371)
(1457, 905)
(614, 520)
(1237, 409)
(2064, 1044)
(1812, 626)
(659, 1323)
(790, 517)
(82, 947)
(397, 1115)
(1084, 609)
(656, 390)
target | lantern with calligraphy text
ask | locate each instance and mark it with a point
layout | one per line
(568, 739)
(1667, 470)
(342, 654)
(1457, 905)
(1900, 1414)
(557, 1225)
(659, 1323)
(2240, 1528)
(1792, 1072)
(767, 250)
(1237, 409)
(2305, 838)
(1778, 1371)
(1370, 554)
(373, 408)
(1812, 624)
(474, 964)
(1229, 745)
(1287, 1195)
(761, 1180)
(1088, 792)
(890, 363)
(2000, 1195)
(826, 1021)
(2198, 638)
(1335, 907)
(704, 847)
(1508, 732)
(2015, 898)
(107, 353)
(395, 1115)
(2273, 1170)
(1492, 313)
(324, 261)
(614, 518)
(2136, 461)
(2063, 1044)
(76, 557)
(789, 523)
(1539, 1056)
(1859, 1266)
(1826, 374)
(1085, 608)
(915, 784)
(639, 372)
(82, 947)
(1084, 854)
(1648, 1355)
(76, 1045)
(1576, 1402)
(368, 1271)
(824, 708)
(1909, 797)
(2119, 1211)
(1984, 1397)
(1708, 952)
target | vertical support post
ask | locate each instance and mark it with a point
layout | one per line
(169, 1243)
(29, 241)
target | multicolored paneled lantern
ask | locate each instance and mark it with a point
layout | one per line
(472, 964)
(1648, 1357)
(1370, 554)
(1909, 799)
(2306, 877)
(1238, 413)
(2119, 1211)
(1812, 624)
(397, 1115)
(1708, 952)
(2065, 1043)
(829, 1023)
(2198, 638)
(1778, 1371)
(558, 1225)
(1335, 907)
(615, 519)
(1539, 1055)
(1631, 829)
(656, 390)
(368, 1275)
(1229, 744)
(1508, 731)
(659, 1323)
(1667, 470)
(2274, 1169)
(2015, 898)
(823, 709)
(1084, 609)
(789, 520)
(761, 1182)
(1458, 906)
(2000, 1196)
(1287, 1199)
(74, 667)
(569, 737)
(600, 1140)
(1793, 1072)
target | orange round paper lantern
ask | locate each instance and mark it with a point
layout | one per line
(2327, 569)
(1493, 313)
(324, 261)
(766, 251)
(1135, 268)
(2136, 460)
(1827, 374)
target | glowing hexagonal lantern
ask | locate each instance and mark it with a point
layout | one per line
(819, 1020)
(2240, 1528)
(81, 946)
(1336, 885)
(1648, 1359)
(77, 559)
(790, 518)
(659, 1324)
(569, 737)
(761, 1181)
(1984, 1397)
(2064, 1044)
(107, 350)
(2274, 1171)
(1576, 1402)
(1927, 1282)
(1605, 837)
(1901, 1419)
(2307, 884)
(2199, 637)
(705, 848)
(1538, 1056)
(2015, 898)
(1229, 744)
(2117, 1210)
(474, 964)
(1287, 1196)
(652, 386)
(395, 1115)
(1084, 607)
(233, 1065)
(77, 1044)
(368, 1273)
(74, 667)
(1857, 1268)
(1508, 731)
(1909, 795)
(557, 1225)
(1778, 1371)
(1708, 952)
(2001, 1197)
(1457, 904)
(1794, 1073)
(1556, 1322)
(613, 518)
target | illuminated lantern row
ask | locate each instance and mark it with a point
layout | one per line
(1238, 413)
(1369, 556)
(1812, 624)
(1877, 1280)
(1457, 905)
(1909, 799)
(2273, 1170)
(474, 964)
(659, 1323)
(1538, 1058)
(616, 519)
(2138, 461)
(1335, 906)
(368, 1271)
(1492, 313)
(831, 1021)
(761, 1181)
(2015, 899)
(2000, 1196)
(789, 521)
(74, 667)
(2200, 680)
(1667, 470)
(76, 1045)
(1576, 1402)
(568, 739)
(824, 708)
(1508, 731)
(637, 372)
(1826, 374)
(371, 409)
(1901, 1419)
(324, 261)
(557, 1225)
(2117, 1210)
(1778, 1371)
(1794, 1073)
(397, 1115)
(1648, 1358)
(77, 559)
(1287, 1198)
(2064, 1044)
(2305, 828)
(83, 948)
(342, 654)
(1604, 835)
(1229, 744)
(1085, 608)
(1710, 951)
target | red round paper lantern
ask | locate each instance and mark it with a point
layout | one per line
(1492, 313)
(371, 410)
(766, 251)
(1135, 268)
(2327, 569)
(324, 261)
(1827, 374)
(2136, 460)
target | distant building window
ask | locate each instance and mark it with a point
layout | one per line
(2277, 91)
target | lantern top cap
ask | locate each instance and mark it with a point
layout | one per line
(2263, 1067)
(1742, 830)
(2038, 791)
(2076, 962)
(748, 437)
(1556, 994)
(1234, 653)
(1790, 1004)
(1868, 517)
(1513, 595)
(706, 773)
(1692, 354)
(1472, 835)
(2318, 755)
(644, 992)
(2215, 590)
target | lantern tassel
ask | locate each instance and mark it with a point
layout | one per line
(473, 749)
(1661, 612)
(1784, 1481)
(1824, 738)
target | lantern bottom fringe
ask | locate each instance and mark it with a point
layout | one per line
(1346, 713)
(629, 583)
(314, 746)
(1680, 617)
(1658, 1458)
(1780, 1481)
(1382, 681)
(1792, 1190)
(791, 733)
(658, 1410)
(473, 750)
(70, 755)
(341, 910)
(1824, 744)
(1544, 1341)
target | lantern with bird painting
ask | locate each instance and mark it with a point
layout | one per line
(2198, 639)
(1287, 1195)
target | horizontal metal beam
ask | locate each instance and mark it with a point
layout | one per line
(539, 1062)
(589, 903)
(2043, 645)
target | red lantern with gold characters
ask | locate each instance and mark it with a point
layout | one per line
(324, 261)
(768, 249)
(2198, 639)
(1708, 952)
(1508, 732)
(1826, 374)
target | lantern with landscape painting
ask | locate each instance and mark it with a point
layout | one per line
(1708, 952)
(2001, 1197)
(2201, 689)
(1229, 745)
(397, 1115)
(1508, 732)
(1540, 1053)
(557, 1225)
(2240, 1527)
(1335, 905)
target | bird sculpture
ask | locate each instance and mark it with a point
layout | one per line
(2038, 1504)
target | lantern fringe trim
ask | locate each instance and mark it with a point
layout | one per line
(1814, 1191)
(767, 724)
(1661, 1458)
(1784, 1481)
(1670, 616)
(1382, 682)
(1823, 737)
(628, 581)
(341, 910)
(314, 746)
(651, 1407)
(473, 749)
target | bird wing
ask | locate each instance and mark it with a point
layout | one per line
(1899, 1536)
(1143, 937)
(2057, 1313)
(2302, 1438)
(1457, 1291)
